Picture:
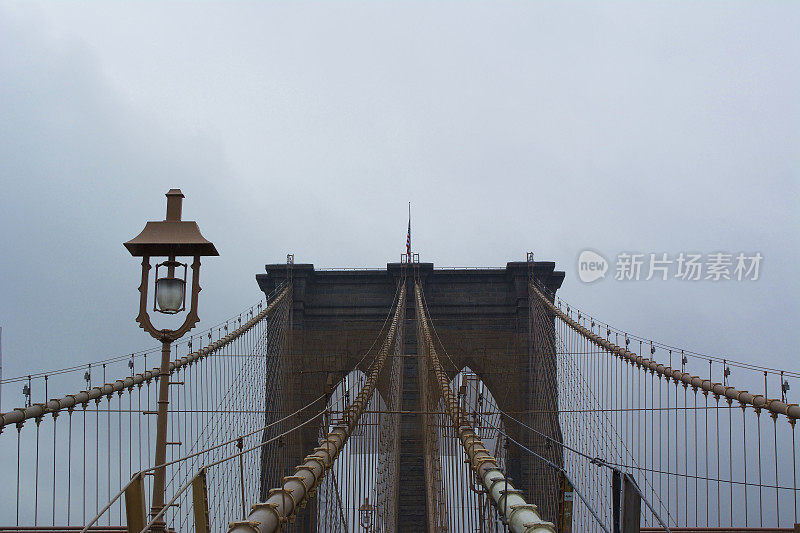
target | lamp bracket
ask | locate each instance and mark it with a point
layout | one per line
(168, 335)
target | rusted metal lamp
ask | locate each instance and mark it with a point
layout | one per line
(170, 238)
(365, 515)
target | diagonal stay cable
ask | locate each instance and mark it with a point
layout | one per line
(200, 452)
(548, 463)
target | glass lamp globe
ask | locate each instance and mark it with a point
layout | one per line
(170, 294)
(365, 511)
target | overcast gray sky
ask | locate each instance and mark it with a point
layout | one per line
(305, 128)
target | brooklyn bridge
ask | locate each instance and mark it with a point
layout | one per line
(411, 398)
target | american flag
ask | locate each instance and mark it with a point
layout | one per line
(408, 239)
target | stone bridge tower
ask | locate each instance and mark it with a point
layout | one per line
(482, 318)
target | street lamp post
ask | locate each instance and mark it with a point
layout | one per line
(170, 238)
(365, 515)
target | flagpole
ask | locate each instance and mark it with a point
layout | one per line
(408, 238)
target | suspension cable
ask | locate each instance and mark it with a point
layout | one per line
(517, 513)
(759, 401)
(71, 400)
(284, 502)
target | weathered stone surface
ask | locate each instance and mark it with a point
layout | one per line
(481, 317)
